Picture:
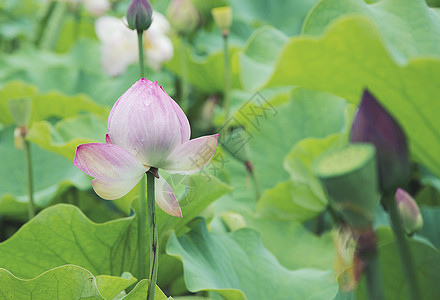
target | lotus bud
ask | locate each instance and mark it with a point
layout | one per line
(139, 15)
(373, 124)
(223, 18)
(349, 176)
(183, 16)
(409, 211)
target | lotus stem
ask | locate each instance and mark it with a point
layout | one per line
(250, 169)
(406, 258)
(142, 232)
(184, 71)
(154, 246)
(31, 208)
(141, 53)
(366, 252)
(374, 279)
(227, 91)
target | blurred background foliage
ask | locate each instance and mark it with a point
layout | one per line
(301, 64)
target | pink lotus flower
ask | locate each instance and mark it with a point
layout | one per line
(146, 129)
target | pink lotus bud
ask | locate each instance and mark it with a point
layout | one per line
(409, 211)
(139, 15)
(373, 124)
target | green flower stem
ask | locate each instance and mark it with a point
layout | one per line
(184, 71)
(142, 232)
(374, 278)
(31, 208)
(251, 171)
(366, 251)
(227, 76)
(141, 53)
(154, 246)
(403, 248)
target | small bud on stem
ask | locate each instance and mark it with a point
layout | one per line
(139, 15)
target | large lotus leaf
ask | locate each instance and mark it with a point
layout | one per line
(287, 16)
(66, 282)
(52, 175)
(426, 259)
(259, 55)
(195, 193)
(206, 73)
(140, 292)
(62, 234)
(431, 225)
(45, 105)
(112, 286)
(294, 246)
(273, 134)
(302, 197)
(410, 27)
(72, 282)
(301, 114)
(331, 64)
(67, 134)
(237, 266)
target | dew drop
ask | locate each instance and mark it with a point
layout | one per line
(147, 102)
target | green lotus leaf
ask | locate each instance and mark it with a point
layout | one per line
(67, 134)
(66, 282)
(45, 105)
(409, 27)
(62, 234)
(52, 176)
(330, 64)
(237, 266)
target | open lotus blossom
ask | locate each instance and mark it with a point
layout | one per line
(120, 47)
(146, 129)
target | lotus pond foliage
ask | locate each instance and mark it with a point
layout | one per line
(291, 147)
